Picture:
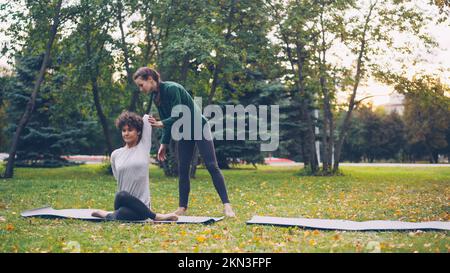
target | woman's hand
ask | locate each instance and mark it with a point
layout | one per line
(155, 123)
(162, 152)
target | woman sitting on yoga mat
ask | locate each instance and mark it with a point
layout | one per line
(130, 166)
(167, 96)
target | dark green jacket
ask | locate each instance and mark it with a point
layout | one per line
(173, 94)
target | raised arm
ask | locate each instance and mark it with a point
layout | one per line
(146, 139)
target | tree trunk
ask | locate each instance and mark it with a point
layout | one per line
(327, 137)
(327, 134)
(148, 52)
(331, 140)
(305, 157)
(126, 55)
(101, 115)
(184, 69)
(93, 74)
(347, 120)
(432, 154)
(308, 147)
(306, 115)
(215, 82)
(9, 171)
(326, 119)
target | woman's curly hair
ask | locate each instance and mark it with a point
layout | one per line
(131, 119)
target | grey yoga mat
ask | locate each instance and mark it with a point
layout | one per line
(328, 224)
(85, 214)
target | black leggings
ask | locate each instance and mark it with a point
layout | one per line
(207, 151)
(129, 208)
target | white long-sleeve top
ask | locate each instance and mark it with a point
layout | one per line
(130, 166)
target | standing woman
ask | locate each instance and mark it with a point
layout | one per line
(168, 95)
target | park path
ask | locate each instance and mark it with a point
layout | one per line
(272, 161)
(97, 159)
(417, 165)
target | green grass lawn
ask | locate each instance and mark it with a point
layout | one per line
(408, 194)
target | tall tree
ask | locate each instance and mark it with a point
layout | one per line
(4, 84)
(93, 27)
(367, 37)
(361, 38)
(212, 48)
(43, 141)
(297, 29)
(375, 135)
(427, 112)
(123, 10)
(36, 10)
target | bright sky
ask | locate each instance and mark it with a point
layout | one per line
(437, 59)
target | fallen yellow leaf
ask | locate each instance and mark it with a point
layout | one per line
(201, 239)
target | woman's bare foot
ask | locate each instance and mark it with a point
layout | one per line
(228, 211)
(100, 213)
(180, 211)
(166, 217)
